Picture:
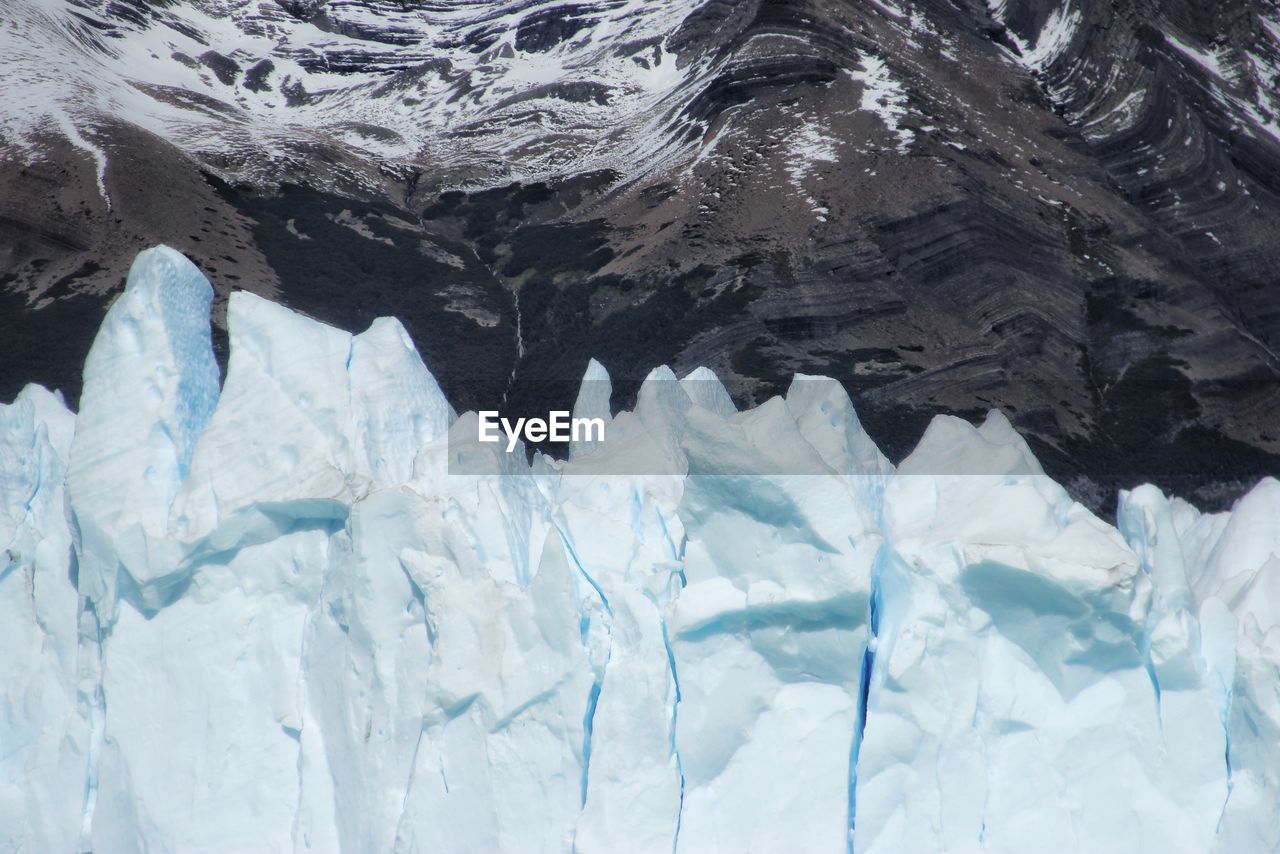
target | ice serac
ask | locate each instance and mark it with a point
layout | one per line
(768, 637)
(827, 421)
(705, 389)
(625, 539)
(281, 443)
(501, 761)
(204, 711)
(1247, 558)
(345, 624)
(398, 406)
(1191, 685)
(1012, 698)
(43, 734)
(1214, 641)
(150, 386)
(826, 418)
(593, 401)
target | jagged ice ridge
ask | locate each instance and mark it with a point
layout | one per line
(266, 617)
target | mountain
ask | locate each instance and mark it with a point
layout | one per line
(330, 618)
(1066, 210)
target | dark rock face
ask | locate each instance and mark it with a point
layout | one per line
(1066, 209)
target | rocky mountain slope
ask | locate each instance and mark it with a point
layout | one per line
(1066, 209)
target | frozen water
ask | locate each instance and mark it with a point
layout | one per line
(43, 734)
(308, 610)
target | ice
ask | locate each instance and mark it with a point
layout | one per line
(705, 389)
(43, 736)
(283, 432)
(624, 536)
(1223, 571)
(150, 385)
(311, 611)
(398, 405)
(502, 761)
(1011, 699)
(827, 421)
(767, 641)
(202, 706)
(594, 394)
(593, 401)
(1248, 555)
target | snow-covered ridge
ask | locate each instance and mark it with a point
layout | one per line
(266, 617)
(254, 87)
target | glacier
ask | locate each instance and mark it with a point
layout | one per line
(302, 608)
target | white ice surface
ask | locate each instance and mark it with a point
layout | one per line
(43, 735)
(310, 611)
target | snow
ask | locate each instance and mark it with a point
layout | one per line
(810, 145)
(885, 96)
(309, 610)
(1207, 61)
(417, 82)
(1055, 36)
(1120, 117)
(1053, 39)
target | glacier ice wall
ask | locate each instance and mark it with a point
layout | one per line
(264, 616)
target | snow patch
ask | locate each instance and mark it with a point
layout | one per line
(810, 145)
(885, 96)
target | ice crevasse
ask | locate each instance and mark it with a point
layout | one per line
(261, 614)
